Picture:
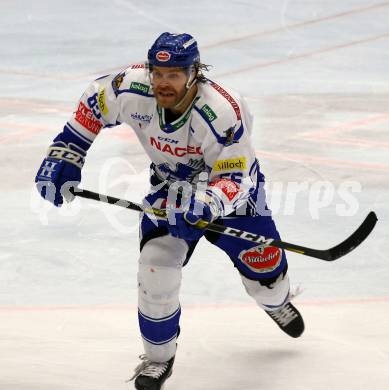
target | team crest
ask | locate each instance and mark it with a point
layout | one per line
(230, 136)
(185, 172)
(117, 82)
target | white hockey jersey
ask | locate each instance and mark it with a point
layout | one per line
(212, 135)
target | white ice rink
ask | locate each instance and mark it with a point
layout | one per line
(316, 76)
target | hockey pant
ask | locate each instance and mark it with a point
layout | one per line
(263, 273)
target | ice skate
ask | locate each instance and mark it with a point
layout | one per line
(151, 375)
(288, 319)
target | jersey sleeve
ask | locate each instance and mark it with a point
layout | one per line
(98, 108)
(229, 155)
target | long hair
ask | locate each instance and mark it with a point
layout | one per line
(201, 68)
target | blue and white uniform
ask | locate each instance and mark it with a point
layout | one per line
(212, 136)
(208, 145)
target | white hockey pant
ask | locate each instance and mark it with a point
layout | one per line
(159, 281)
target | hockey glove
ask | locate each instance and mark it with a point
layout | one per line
(189, 223)
(60, 171)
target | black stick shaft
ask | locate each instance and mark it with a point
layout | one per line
(324, 254)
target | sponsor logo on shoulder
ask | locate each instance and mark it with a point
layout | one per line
(209, 113)
(261, 259)
(101, 102)
(163, 56)
(230, 164)
(135, 86)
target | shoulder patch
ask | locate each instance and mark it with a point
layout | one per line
(209, 113)
(232, 135)
(117, 82)
(139, 87)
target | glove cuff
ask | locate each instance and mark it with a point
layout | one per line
(65, 153)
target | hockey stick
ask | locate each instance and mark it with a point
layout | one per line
(330, 254)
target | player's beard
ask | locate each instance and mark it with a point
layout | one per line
(168, 97)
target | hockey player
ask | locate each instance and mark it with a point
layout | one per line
(203, 167)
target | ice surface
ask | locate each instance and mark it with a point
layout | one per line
(315, 75)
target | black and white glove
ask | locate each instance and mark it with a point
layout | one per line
(60, 171)
(189, 222)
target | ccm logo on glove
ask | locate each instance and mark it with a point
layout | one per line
(67, 155)
(59, 172)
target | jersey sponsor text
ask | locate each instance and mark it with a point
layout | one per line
(230, 164)
(175, 150)
(84, 116)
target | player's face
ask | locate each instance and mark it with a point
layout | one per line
(168, 85)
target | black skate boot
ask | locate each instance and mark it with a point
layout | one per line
(288, 319)
(151, 375)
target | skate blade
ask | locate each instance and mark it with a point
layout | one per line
(132, 386)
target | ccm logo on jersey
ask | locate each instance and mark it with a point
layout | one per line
(229, 188)
(163, 56)
(175, 150)
(85, 117)
(260, 259)
(230, 164)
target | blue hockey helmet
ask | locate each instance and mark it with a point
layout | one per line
(174, 50)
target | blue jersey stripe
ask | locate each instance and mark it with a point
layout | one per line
(223, 140)
(78, 134)
(161, 342)
(69, 136)
(159, 330)
(217, 136)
